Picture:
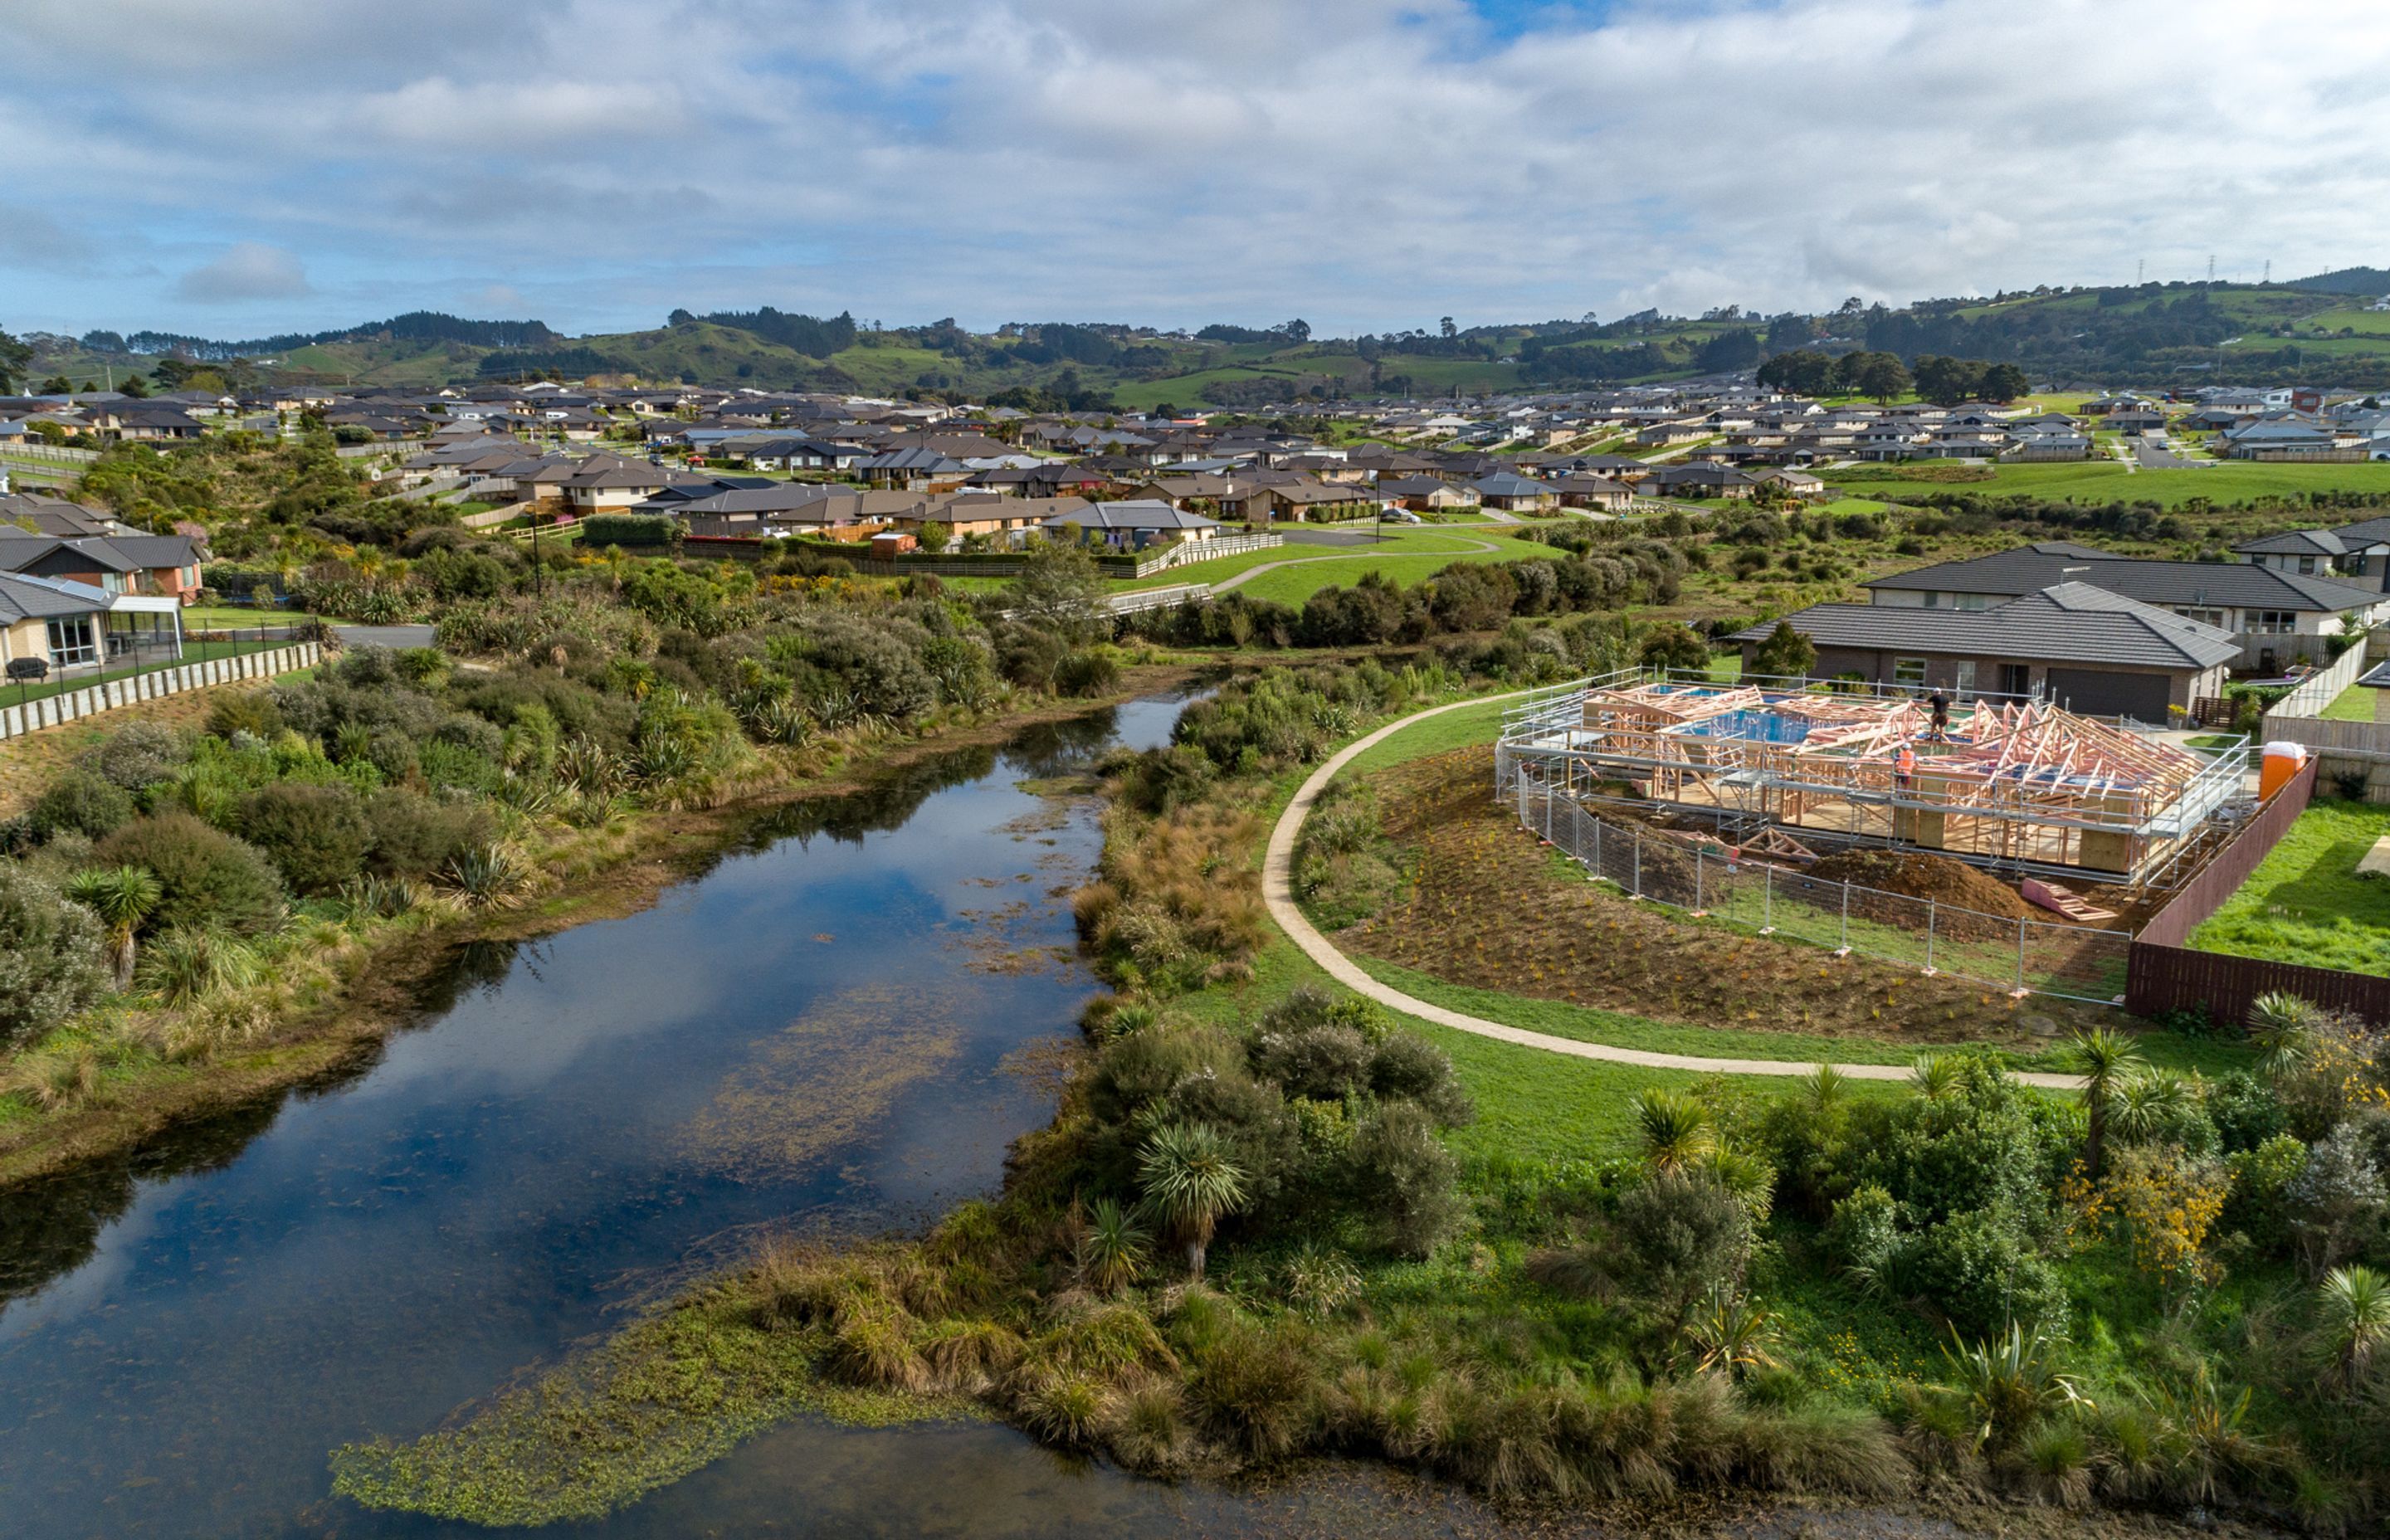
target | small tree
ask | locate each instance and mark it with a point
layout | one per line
(2355, 1319)
(1674, 645)
(1062, 591)
(1672, 1128)
(122, 898)
(1786, 654)
(1191, 1185)
(936, 537)
(2104, 1058)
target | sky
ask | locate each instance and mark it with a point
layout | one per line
(244, 167)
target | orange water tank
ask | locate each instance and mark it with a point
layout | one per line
(2281, 766)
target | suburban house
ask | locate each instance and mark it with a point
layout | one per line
(1515, 494)
(1584, 490)
(2087, 649)
(70, 626)
(155, 564)
(605, 483)
(2279, 616)
(1132, 525)
(1697, 480)
(1423, 493)
(2359, 552)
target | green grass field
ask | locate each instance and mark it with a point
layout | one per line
(2304, 904)
(2099, 482)
(1408, 555)
(2353, 704)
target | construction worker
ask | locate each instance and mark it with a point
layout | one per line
(1904, 768)
(1940, 702)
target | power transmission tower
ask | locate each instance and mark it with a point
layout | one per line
(2269, 271)
(2211, 267)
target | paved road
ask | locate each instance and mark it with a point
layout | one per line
(1277, 891)
(2159, 456)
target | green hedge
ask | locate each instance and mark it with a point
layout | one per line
(600, 530)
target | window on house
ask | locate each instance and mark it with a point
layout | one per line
(1932, 600)
(2217, 618)
(1962, 675)
(72, 641)
(1909, 671)
(1974, 601)
(2307, 564)
(2269, 623)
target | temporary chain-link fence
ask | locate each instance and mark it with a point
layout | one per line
(1706, 875)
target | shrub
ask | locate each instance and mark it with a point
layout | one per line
(137, 755)
(412, 836)
(210, 878)
(254, 711)
(317, 836)
(1325, 1062)
(1405, 1180)
(52, 956)
(1407, 1067)
(2338, 1202)
(1681, 1232)
(81, 802)
(1089, 671)
(1863, 1235)
(1982, 1269)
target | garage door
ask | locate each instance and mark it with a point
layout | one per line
(2095, 692)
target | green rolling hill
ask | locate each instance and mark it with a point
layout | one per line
(2153, 335)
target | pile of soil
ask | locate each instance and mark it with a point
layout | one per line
(1917, 875)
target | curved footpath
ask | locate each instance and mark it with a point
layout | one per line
(1277, 891)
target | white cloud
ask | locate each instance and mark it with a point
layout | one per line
(1368, 164)
(247, 272)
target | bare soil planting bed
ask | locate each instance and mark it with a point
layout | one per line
(1489, 908)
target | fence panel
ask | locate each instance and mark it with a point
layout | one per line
(1700, 875)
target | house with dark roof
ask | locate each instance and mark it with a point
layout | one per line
(2278, 616)
(2082, 648)
(1131, 525)
(1514, 493)
(2358, 553)
(1698, 481)
(155, 564)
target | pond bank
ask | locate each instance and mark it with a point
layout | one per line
(334, 1039)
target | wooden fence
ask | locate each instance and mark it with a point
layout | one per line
(2161, 974)
(2222, 876)
(2321, 688)
(93, 699)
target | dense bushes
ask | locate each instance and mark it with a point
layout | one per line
(317, 836)
(51, 962)
(208, 878)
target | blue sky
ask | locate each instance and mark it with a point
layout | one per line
(255, 166)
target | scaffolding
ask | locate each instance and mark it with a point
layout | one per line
(2011, 782)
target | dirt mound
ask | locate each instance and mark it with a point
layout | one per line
(1918, 874)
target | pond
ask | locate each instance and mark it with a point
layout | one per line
(826, 1027)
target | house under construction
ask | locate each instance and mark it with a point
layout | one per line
(2011, 782)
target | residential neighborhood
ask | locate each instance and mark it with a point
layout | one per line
(1525, 772)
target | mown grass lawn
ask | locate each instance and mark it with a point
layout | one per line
(2353, 704)
(2101, 481)
(2305, 903)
